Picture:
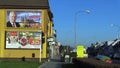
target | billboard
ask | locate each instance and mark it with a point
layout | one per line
(23, 18)
(21, 39)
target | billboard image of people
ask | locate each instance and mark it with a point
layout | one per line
(28, 40)
(23, 18)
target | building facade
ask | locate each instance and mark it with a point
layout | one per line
(28, 38)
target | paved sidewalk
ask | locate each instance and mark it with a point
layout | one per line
(53, 63)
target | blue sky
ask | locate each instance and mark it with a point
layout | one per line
(91, 28)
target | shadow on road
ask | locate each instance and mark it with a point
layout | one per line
(69, 65)
(55, 60)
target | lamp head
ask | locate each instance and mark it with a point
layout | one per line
(87, 11)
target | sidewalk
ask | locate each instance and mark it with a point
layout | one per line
(53, 63)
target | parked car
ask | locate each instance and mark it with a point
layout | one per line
(104, 58)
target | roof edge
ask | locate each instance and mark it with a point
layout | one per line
(22, 7)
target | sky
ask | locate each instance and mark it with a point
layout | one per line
(90, 28)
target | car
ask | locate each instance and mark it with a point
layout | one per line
(104, 58)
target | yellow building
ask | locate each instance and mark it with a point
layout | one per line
(28, 38)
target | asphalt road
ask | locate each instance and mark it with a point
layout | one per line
(116, 61)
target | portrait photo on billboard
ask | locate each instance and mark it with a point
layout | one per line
(23, 18)
(24, 40)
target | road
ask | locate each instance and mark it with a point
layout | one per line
(53, 63)
(116, 61)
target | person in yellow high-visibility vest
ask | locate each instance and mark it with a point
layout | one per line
(80, 51)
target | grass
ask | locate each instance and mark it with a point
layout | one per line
(19, 64)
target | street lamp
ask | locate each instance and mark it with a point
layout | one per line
(75, 22)
(113, 25)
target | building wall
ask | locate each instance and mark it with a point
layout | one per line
(2, 16)
(47, 31)
(18, 53)
(44, 29)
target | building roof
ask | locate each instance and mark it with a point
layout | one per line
(115, 42)
(23, 4)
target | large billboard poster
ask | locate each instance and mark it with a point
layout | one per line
(23, 18)
(28, 40)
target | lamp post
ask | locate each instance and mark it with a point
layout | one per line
(75, 22)
(113, 25)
